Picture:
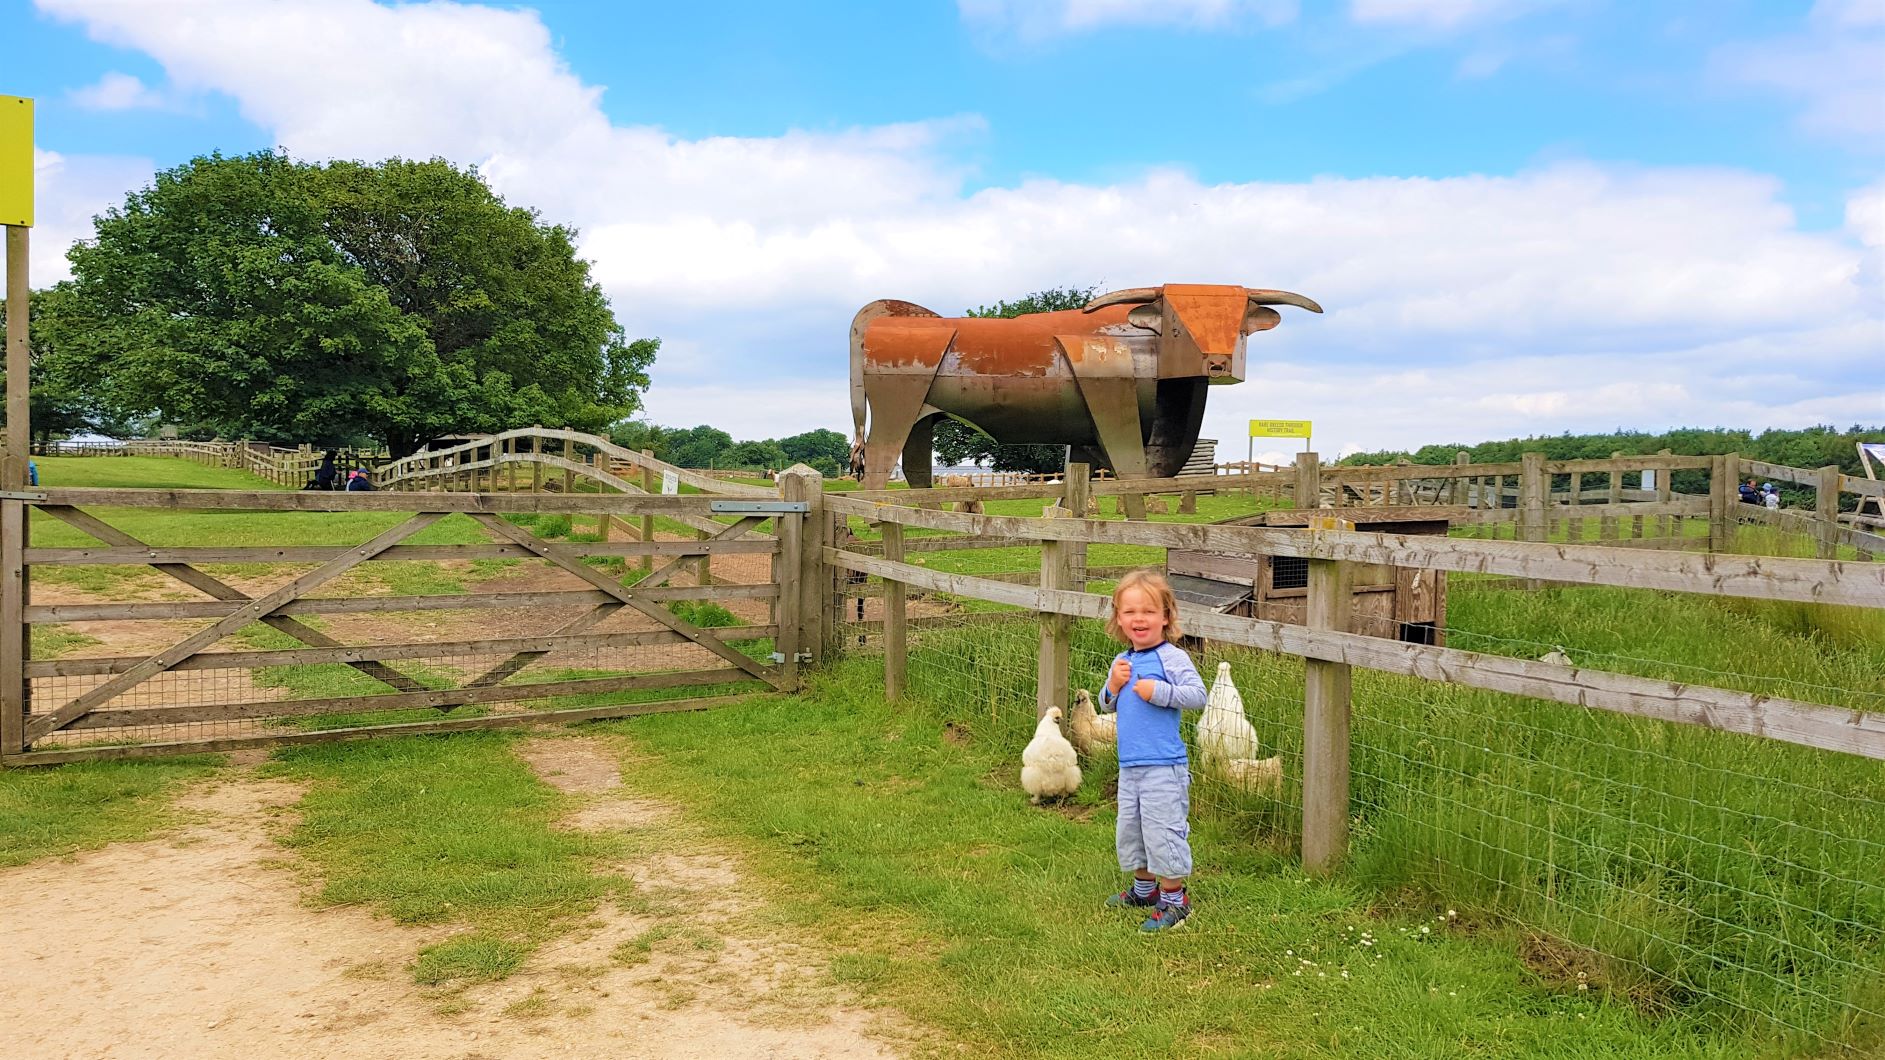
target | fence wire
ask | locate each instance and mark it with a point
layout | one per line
(1696, 875)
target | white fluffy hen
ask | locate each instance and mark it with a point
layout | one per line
(1091, 729)
(1223, 732)
(1049, 767)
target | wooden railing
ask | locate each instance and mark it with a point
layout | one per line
(1058, 597)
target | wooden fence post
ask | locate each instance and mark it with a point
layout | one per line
(1826, 510)
(1669, 525)
(1079, 492)
(1308, 481)
(1051, 687)
(1574, 523)
(15, 634)
(1325, 717)
(1532, 485)
(788, 565)
(896, 628)
(1456, 487)
(536, 466)
(1607, 526)
(1723, 473)
(648, 521)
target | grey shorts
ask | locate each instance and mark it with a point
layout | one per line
(1154, 829)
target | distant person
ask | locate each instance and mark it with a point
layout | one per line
(325, 475)
(1749, 494)
(1770, 496)
(32, 472)
(357, 481)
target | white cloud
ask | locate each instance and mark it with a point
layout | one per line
(117, 91)
(1836, 69)
(68, 191)
(1440, 14)
(1569, 297)
(1044, 17)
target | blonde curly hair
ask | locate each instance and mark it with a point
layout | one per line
(1153, 584)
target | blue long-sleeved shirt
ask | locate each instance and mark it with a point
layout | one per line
(1148, 731)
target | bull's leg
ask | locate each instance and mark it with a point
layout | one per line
(896, 403)
(918, 452)
(1114, 406)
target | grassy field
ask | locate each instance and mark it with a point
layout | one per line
(1527, 879)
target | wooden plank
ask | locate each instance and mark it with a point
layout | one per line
(1807, 724)
(349, 653)
(1826, 510)
(633, 599)
(525, 657)
(1325, 752)
(15, 634)
(439, 699)
(1308, 482)
(786, 568)
(1628, 463)
(350, 605)
(1803, 477)
(1050, 490)
(154, 555)
(896, 619)
(1051, 685)
(1758, 577)
(442, 725)
(40, 725)
(322, 501)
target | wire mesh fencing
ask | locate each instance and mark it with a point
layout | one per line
(1696, 875)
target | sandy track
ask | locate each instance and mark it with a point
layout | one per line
(200, 945)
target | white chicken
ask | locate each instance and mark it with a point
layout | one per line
(1223, 732)
(1262, 776)
(1049, 767)
(1091, 729)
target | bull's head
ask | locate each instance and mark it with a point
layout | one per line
(1201, 327)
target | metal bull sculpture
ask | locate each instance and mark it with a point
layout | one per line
(1122, 381)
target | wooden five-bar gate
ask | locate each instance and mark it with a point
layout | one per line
(422, 612)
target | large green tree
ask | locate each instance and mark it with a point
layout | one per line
(958, 443)
(262, 297)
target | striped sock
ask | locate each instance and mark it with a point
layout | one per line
(1143, 888)
(1176, 897)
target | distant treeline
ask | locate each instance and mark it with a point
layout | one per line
(710, 447)
(1813, 447)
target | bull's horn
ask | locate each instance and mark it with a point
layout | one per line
(1129, 296)
(1264, 296)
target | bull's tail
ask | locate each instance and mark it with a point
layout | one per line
(883, 307)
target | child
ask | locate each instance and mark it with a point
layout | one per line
(1150, 682)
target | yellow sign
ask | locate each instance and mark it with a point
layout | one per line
(16, 161)
(1279, 428)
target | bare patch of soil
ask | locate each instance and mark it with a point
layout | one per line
(201, 945)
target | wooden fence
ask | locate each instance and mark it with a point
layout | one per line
(543, 644)
(1329, 650)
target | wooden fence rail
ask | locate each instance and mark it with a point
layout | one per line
(1330, 650)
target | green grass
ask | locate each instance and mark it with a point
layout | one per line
(456, 830)
(899, 835)
(50, 642)
(85, 805)
(144, 472)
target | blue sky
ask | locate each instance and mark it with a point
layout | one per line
(1523, 216)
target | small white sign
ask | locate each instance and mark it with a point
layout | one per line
(1649, 478)
(670, 482)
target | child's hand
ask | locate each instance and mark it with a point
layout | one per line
(1143, 688)
(1122, 672)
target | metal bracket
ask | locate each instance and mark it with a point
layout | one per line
(779, 657)
(20, 495)
(759, 507)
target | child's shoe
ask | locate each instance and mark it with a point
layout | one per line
(1127, 900)
(1169, 915)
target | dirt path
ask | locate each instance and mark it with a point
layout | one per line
(200, 945)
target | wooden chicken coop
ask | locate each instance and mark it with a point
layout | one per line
(1397, 603)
